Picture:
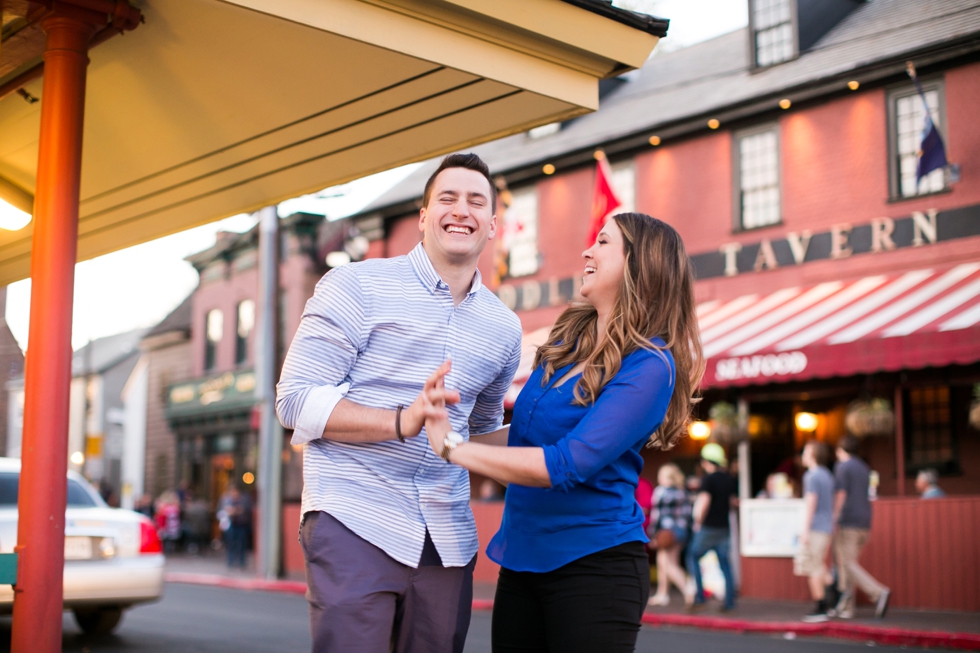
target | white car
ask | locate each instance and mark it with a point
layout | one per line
(113, 557)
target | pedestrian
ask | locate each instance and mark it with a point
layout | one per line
(818, 527)
(718, 494)
(167, 517)
(615, 375)
(927, 484)
(387, 530)
(852, 514)
(234, 514)
(670, 522)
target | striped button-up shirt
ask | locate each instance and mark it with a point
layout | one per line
(375, 331)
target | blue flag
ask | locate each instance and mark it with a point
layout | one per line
(932, 151)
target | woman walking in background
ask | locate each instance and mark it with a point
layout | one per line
(670, 523)
(616, 374)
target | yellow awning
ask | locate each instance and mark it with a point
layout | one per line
(213, 108)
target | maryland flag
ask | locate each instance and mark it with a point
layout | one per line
(604, 200)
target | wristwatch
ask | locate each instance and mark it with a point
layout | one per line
(449, 444)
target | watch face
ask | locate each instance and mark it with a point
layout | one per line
(454, 437)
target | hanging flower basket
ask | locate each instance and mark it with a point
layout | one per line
(724, 423)
(870, 418)
(975, 408)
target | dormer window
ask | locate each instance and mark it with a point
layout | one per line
(773, 35)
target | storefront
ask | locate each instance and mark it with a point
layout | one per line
(217, 439)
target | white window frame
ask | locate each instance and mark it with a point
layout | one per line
(737, 138)
(523, 256)
(754, 34)
(623, 182)
(907, 90)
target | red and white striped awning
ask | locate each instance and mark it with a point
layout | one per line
(922, 318)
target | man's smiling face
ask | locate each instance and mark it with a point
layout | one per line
(459, 218)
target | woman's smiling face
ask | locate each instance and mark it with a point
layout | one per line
(604, 264)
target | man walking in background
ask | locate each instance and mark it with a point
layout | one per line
(711, 528)
(387, 531)
(852, 513)
(818, 525)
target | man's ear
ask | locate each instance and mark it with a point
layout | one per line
(493, 227)
(422, 219)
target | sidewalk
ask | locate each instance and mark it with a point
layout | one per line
(902, 627)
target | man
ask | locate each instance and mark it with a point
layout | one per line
(711, 530)
(389, 538)
(818, 525)
(927, 484)
(852, 513)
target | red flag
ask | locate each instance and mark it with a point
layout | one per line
(604, 200)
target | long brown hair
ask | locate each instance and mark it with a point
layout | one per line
(655, 298)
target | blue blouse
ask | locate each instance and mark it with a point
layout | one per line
(593, 458)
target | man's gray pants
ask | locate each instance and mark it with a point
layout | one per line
(363, 601)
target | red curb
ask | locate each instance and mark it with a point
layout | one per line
(833, 629)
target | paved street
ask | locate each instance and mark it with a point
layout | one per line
(195, 619)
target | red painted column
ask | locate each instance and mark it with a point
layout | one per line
(41, 527)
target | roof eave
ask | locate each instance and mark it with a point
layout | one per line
(643, 22)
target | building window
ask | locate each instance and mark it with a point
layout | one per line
(907, 115)
(757, 171)
(213, 328)
(520, 233)
(772, 31)
(246, 322)
(624, 184)
(929, 432)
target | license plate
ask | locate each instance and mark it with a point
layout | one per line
(78, 548)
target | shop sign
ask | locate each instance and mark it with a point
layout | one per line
(770, 527)
(226, 390)
(536, 294)
(842, 241)
(767, 365)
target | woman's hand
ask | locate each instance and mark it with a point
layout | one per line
(434, 399)
(416, 413)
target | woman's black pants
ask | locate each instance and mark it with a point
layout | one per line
(593, 604)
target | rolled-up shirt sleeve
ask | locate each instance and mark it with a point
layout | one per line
(488, 409)
(325, 347)
(629, 409)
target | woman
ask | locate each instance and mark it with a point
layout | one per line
(670, 522)
(616, 374)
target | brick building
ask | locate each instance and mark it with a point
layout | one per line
(836, 291)
(201, 428)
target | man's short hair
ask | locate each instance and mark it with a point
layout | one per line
(820, 451)
(849, 443)
(469, 161)
(929, 475)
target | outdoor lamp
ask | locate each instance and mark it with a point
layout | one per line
(806, 421)
(548, 169)
(12, 218)
(699, 430)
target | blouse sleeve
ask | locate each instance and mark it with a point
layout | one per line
(629, 409)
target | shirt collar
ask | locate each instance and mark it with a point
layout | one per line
(428, 275)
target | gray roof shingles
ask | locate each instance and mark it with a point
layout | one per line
(716, 74)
